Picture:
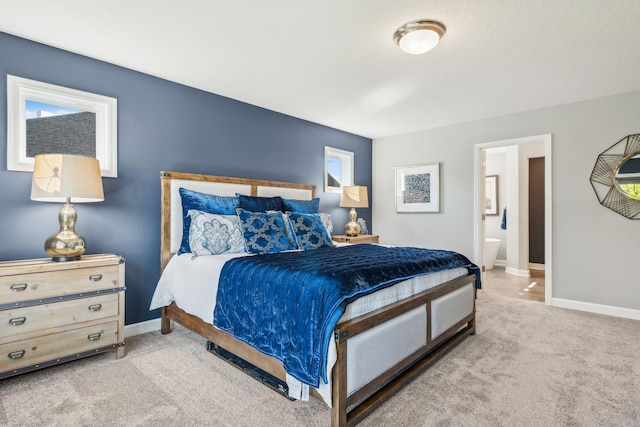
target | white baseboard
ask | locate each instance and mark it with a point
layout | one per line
(500, 262)
(609, 310)
(141, 328)
(534, 266)
(627, 313)
(516, 272)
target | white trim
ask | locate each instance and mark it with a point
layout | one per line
(347, 174)
(500, 263)
(478, 206)
(627, 313)
(142, 328)
(608, 310)
(516, 272)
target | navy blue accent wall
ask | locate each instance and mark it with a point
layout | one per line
(161, 126)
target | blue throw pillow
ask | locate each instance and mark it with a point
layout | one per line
(192, 200)
(265, 232)
(259, 204)
(309, 230)
(301, 206)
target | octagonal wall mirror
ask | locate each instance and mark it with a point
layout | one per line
(616, 177)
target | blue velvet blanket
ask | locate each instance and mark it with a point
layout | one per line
(287, 304)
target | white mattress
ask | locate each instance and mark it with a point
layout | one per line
(192, 282)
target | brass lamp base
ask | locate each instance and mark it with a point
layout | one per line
(66, 244)
(352, 228)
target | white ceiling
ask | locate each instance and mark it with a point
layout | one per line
(334, 62)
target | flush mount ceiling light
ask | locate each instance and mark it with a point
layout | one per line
(418, 37)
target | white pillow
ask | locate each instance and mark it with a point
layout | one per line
(211, 234)
(326, 221)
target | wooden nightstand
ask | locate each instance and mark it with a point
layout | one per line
(363, 238)
(55, 312)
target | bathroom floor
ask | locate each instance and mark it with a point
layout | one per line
(498, 282)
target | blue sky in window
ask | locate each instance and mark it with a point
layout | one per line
(46, 110)
(333, 167)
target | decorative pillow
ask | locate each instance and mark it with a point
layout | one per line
(259, 204)
(192, 200)
(309, 230)
(265, 232)
(326, 221)
(212, 234)
(302, 206)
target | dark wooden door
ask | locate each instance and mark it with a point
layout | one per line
(536, 210)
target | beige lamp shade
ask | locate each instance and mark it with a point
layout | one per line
(63, 177)
(354, 196)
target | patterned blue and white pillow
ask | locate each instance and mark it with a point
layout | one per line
(326, 221)
(211, 234)
(265, 232)
(309, 230)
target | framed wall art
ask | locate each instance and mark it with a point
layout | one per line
(45, 118)
(418, 188)
(491, 195)
(338, 169)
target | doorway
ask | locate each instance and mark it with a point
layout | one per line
(519, 251)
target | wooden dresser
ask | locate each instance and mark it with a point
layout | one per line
(362, 238)
(55, 312)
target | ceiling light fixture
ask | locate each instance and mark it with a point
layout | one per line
(418, 37)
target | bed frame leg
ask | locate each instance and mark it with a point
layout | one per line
(165, 322)
(339, 384)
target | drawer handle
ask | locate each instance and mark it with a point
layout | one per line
(16, 354)
(95, 307)
(17, 321)
(94, 337)
(17, 287)
(95, 277)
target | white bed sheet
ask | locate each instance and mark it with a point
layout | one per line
(192, 283)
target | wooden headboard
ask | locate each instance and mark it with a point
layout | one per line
(171, 209)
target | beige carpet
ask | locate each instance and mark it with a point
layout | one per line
(528, 365)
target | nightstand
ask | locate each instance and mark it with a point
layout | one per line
(362, 238)
(55, 312)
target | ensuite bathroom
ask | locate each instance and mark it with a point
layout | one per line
(514, 249)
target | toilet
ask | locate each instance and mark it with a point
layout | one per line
(491, 247)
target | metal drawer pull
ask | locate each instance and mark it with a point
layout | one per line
(17, 321)
(95, 277)
(17, 287)
(95, 307)
(94, 337)
(16, 354)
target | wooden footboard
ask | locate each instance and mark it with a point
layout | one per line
(349, 410)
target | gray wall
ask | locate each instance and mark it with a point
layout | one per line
(161, 126)
(595, 251)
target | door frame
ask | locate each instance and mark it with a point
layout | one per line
(478, 202)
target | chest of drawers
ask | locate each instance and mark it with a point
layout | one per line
(55, 312)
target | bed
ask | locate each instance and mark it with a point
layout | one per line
(402, 328)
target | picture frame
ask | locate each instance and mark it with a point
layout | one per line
(491, 195)
(338, 169)
(364, 230)
(418, 188)
(46, 118)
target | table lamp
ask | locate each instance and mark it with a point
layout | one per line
(353, 196)
(66, 178)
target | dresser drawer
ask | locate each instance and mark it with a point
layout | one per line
(30, 320)
(42, 285)
(19, 354)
